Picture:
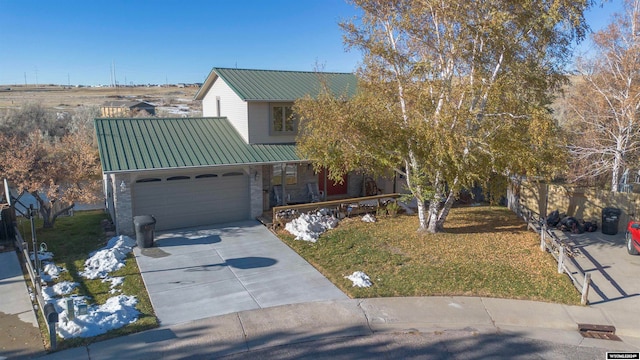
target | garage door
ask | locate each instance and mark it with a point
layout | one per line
(191, 200)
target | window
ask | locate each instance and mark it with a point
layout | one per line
(206, 176)
(291, 172)
(218, 105)
(283, 121)
(179, 177)
(234, 173)
(146, 180)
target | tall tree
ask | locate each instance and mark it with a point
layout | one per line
(57, 171)
(451, 93)
(604, 101)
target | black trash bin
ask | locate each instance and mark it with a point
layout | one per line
(610, 219)
(144, 224)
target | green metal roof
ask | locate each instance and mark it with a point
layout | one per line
(275, 85)
(155, 143)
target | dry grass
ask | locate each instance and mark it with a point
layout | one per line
(485, 251)
(65, 98)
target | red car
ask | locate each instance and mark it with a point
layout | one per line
(633, 237)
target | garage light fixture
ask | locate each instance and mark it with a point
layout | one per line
(123, 186)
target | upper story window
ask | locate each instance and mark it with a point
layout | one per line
(283, 121)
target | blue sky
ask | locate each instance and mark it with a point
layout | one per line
(77, 42)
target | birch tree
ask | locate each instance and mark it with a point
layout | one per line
(605, 99)
(451, 93)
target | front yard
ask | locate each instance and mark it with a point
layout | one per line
(484, 251)
(71, 241)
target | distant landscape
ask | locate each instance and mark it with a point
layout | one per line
(170, 100)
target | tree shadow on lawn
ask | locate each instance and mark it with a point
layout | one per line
(483, 219)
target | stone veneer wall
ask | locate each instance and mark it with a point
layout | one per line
(122, 204)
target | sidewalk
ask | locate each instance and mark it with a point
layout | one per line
(19, 333)
(301, 323)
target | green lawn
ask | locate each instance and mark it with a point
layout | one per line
(484, 251)
(71, 241)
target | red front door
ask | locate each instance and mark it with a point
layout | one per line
(333, 188)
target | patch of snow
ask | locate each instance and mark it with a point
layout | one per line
(359, 279)
(115, 282)
(109, 258)
(117, 312)
(369, 218)
(308, 227)
(50, 272)
(63, 288)
(42, 256)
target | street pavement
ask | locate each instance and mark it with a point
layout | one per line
(384, 328)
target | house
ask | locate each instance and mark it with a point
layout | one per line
(120, 108)
(234, 163)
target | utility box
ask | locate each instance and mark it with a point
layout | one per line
(610, 220)
(145, 226)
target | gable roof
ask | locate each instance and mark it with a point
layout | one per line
(276, 85)
(155, 143)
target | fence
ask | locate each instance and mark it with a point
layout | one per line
(561, 251)
(346, 207)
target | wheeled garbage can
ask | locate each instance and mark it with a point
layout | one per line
(610, 219)
(145, 225)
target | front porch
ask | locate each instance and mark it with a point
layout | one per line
(298, 183)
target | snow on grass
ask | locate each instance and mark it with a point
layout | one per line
(369, 218)
(42, 256)
(109, 258)
(50, 271)
(308, 227)
(359, 279)
(117, 312)
(115, 282)
(63, 288)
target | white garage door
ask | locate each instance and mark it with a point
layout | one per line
(191, 200)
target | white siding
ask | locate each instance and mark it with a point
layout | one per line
(231, 106)
(259, 123)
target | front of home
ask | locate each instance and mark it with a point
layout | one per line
(232, 164)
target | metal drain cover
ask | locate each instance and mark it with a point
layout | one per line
(602, 332)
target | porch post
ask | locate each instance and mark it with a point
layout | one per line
(283, 180)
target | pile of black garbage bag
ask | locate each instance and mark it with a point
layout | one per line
(569, 223)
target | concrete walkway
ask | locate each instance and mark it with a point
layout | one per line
(19, 333)
(201, 272)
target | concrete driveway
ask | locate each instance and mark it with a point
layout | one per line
(615, 275)
(196, 273)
